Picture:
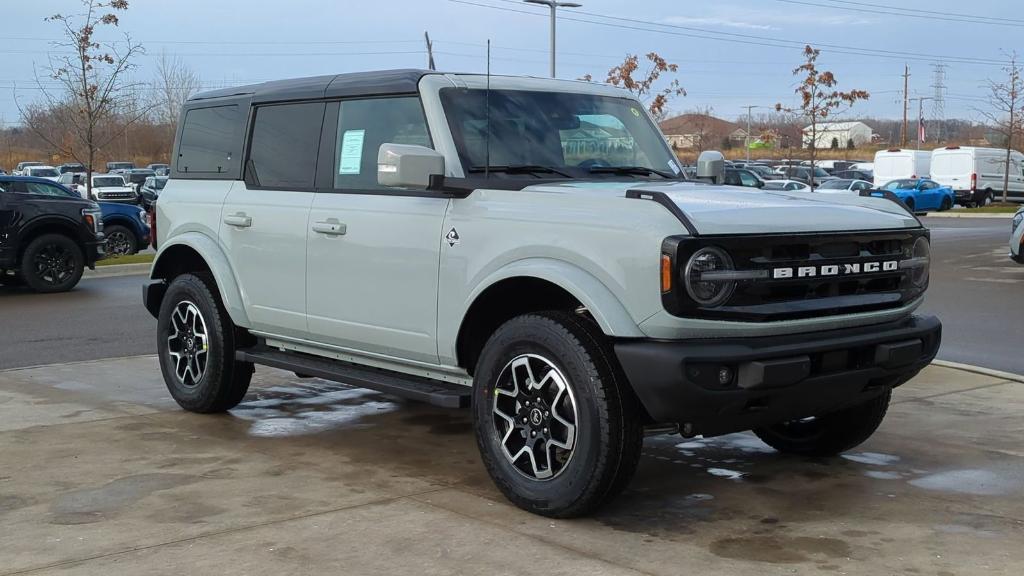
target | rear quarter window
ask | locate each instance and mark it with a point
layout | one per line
(210, 140)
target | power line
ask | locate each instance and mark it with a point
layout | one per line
(889, 12)
(917, 10)
(738, 38)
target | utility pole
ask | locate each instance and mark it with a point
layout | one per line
(749, 108)
(906, 99)
(554, 5)
(430, 51)
(920, 119)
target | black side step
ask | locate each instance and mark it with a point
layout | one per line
(434, 392)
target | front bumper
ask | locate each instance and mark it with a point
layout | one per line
(95, 250)
(772, 379)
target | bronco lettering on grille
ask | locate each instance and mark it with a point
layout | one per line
(835, 270)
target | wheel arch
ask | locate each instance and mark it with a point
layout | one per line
(195, 252)
(533, 285)
(57, 225)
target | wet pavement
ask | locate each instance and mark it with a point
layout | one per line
(100, 473)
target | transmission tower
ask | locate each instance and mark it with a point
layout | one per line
(938, 98)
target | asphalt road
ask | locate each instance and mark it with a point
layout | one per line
(975, 289)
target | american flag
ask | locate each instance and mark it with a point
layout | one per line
(920, 130)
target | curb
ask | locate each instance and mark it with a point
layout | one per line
(76, 362)
(113, 270)
(979, 370)
(1006, 215)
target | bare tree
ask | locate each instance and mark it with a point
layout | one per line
(702, 128)
(819, 98)
(175, 82)
(1004, 112)
(644, 84)
(95, 104)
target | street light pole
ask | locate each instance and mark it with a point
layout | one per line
(554, 5)
(747, 139)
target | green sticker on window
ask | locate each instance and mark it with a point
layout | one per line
(635, 112)
(351, 151)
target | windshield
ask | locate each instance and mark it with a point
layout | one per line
(836, 184)
(577, 135)
(107, 181)
(43, 172)
(773, 185)
(901, 185)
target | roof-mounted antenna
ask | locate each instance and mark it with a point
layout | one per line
(487, 116)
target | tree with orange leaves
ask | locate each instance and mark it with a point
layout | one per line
(819, 98)
(642, 84)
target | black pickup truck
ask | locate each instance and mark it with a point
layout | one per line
(48, 234)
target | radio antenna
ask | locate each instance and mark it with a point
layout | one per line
(487, 116)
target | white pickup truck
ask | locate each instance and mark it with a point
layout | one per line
(530, 249)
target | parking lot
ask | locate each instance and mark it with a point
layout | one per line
(104, 474)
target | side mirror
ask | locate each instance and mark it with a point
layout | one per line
(711, 164)
(407, 165)
(760, 183)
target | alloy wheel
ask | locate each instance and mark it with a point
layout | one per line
(118, 244)
(54, 264)
(535, 416)
(188, 343)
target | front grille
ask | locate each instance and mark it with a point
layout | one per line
(116, 195)
(803, 275)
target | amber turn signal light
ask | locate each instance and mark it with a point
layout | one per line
(666, 273)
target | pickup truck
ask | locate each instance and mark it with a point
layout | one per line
(529, 249)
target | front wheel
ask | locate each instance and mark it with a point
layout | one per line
(121, 241)
(909, 203)
(947, 203)
(52, 263)
(829, 434)
(196, 346)
(558, 427)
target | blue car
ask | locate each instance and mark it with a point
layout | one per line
(922, 194)
(126, 227)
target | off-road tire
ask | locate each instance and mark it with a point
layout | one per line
(42, 280)
(829, 434)
(117, 234)
(609, 426)
(224, 381)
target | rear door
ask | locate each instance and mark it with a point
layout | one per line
(264, 218)
(373, 252)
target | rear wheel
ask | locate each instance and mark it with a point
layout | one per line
(829, 434)
(196, 343)
(52, 263)
(121, 241)
(558, 427)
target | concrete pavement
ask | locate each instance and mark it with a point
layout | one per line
(100, 473)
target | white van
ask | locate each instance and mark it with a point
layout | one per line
(976, 174)
(897, 164)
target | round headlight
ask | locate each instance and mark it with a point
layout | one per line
(1017, 219)
(702, 287)
(922, 257)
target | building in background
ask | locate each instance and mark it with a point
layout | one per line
(838, 135)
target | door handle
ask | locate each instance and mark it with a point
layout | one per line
(239, 219)
(331, 227)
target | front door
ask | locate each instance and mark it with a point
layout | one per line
(264, 219)
(373, 252)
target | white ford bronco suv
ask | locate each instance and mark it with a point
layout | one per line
(527, 248)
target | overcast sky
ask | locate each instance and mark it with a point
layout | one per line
(731, 53)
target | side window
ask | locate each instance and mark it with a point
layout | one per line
(731, 178)
(40, 189)
(747, 178)
(209, 139)
(363, 125)
(285, 144)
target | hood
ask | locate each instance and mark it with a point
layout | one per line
(714, 209)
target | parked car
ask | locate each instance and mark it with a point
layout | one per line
(115, 167)
(922, 194)
(844, 185)
(742, 177)
(803, 174)
(764, 171)
(158, 167)
(71, 167)
(1017, 236)
(74, 181)
(48, 234)
(137, 176)
(573, 297)
(112, 188)
(126, 227)
(22, 165)
(151, 190)
(42, 171)
(855, 175)
(787, 185)
(976, 174)
(899, 164)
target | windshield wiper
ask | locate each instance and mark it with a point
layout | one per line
(631, 170)
(519, 169)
